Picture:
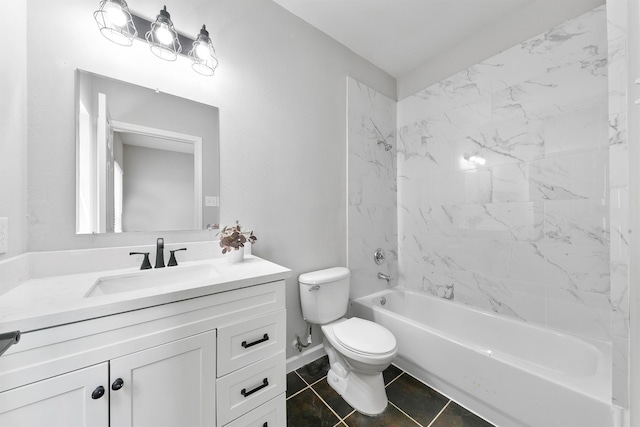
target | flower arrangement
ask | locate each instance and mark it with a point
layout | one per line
(232, 237)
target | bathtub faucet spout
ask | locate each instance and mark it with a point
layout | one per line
(384, 277)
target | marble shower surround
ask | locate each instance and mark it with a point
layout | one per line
(526, 234)
(619, 197)
(371, 204)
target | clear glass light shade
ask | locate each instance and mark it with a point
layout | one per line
(203, 55)
(115, 22)
(163, 38)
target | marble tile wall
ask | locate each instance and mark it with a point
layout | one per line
(503, 183)
(371, 190)
(619, 193)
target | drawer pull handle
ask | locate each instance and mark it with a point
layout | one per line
(264, 338)
(246, 393)
(97, 393)
(266, 424)
(117, 384)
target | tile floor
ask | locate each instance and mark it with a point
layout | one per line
(311, 402)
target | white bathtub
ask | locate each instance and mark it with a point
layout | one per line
(509, 372)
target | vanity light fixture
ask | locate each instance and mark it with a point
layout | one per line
(202, 54)
(163, 38)
(115, 22)
(119, 25)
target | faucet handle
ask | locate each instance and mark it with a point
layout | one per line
(146, 264)
(172, 258)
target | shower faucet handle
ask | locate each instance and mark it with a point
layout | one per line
(379, 256)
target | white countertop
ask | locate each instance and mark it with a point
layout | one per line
(44, 302)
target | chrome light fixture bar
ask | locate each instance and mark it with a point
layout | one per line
(119, 25)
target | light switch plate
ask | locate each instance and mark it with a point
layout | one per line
(4, 235)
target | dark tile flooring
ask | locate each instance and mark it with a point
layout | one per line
(311, 402)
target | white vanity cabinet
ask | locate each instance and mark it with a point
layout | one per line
(64, 400)
(213, 360)
(168, 385)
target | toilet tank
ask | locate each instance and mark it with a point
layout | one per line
(324, 295)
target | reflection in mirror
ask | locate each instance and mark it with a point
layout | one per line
(146, 161)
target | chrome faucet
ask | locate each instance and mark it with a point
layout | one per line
(160, 253)
(383, 276)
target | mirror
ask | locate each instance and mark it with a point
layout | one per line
(145, 160)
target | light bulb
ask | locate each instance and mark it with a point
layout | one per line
(202, 51)
(116, 16)
(164, 35)
(477, 160)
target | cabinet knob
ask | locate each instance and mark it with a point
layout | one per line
(117, 384)
(98, 392)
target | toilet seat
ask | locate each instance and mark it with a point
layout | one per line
(364, 337)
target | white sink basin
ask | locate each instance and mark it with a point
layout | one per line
(145, 279)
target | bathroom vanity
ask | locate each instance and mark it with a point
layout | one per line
(206, 350)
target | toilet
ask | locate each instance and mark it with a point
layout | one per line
(359, 350)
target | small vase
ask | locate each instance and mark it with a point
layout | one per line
(236, 256)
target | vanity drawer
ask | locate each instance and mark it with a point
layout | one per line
(243, 343)
(271, 414)
(249, 387)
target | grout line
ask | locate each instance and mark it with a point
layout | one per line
(448, 397)
(348, 415)
(301, 390)
(298, 392)
(404, 413)
(326, 404)
(317, 381)
(393, 380)
(342, 421)
(307, 382)
(301, 377)
(439, 413)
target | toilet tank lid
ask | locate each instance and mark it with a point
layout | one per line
(324, 276)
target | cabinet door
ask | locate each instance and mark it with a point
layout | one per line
(65, 400)
(169, 385)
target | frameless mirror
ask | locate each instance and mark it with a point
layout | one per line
(145, 160)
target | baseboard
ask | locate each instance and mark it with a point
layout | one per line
(307, 356)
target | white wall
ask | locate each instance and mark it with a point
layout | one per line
(13, 126)
(282, 98)
(532, 19)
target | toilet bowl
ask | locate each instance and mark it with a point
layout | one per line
(356, 369)
(359, 350)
